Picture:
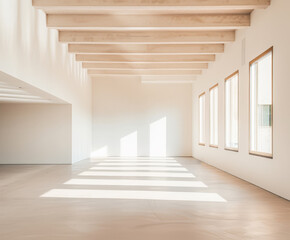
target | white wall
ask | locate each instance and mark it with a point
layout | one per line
(32, 53)
(269, 27)
(35, 134)
(126, 112)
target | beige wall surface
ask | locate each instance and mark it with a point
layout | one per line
(132, 118)
(35, 134)
(269, 27)
(31, 52)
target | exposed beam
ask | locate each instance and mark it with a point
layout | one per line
(142, 22)
(147, 37)
(147, 77)
(144, 58)
(163, 78)
(154, 38)
(166, 81)
(128, 65)
(144, 72)
(121, 4)
(146, 48)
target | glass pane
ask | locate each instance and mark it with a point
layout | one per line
(232, 112)
(202, 119)
(214, 116)
(261, 105)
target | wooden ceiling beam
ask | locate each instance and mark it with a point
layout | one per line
(146, 37)
(128, 65)
(145, 58)
(143, 22)
(146, 49)
(121, 4)
(144, 72)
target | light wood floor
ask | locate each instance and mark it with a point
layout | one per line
(136, 199)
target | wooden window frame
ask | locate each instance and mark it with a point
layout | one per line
(226, 79)
(199, 96)
(255, 153)
(212, 145)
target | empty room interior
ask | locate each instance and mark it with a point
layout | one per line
(144, 119)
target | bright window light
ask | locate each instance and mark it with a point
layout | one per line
(141, 195)
(135, 182)
(232, 112)
(128, 145)
(169, 169)
(261, 104)
(202, 119)
(138, 174)
(158, 138)
(213, 108)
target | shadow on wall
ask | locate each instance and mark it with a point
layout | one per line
(129, 143)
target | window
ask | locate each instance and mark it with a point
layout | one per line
(232, 112)
(213, 116)
(261, 104)
(202, 119)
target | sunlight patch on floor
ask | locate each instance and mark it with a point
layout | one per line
(140, 164)
(138, 174)
(135, 182)
(141, 195)
(168, 169)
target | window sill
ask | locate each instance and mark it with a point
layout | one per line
(232, 149)
(260, 154)
(214, 146)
